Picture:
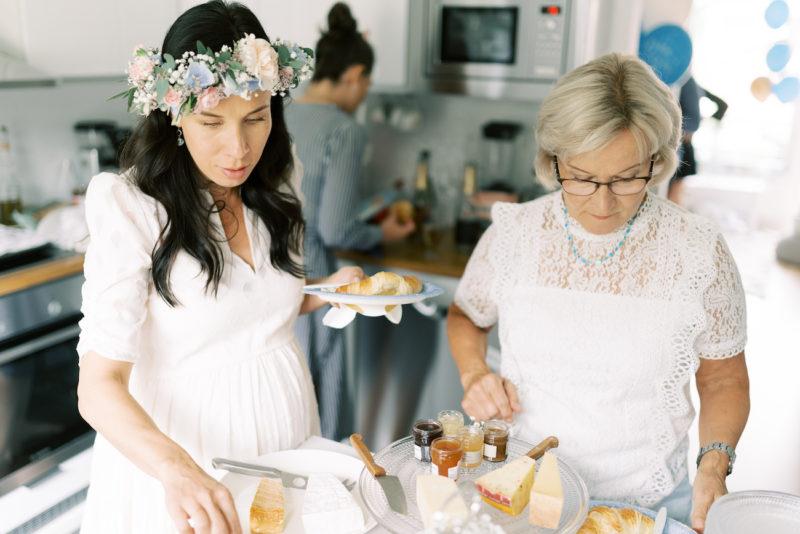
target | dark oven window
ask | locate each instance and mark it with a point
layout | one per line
(39, 404)
(479, 35)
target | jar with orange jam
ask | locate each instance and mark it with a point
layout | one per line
(446, 454)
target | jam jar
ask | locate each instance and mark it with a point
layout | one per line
(452, 422)
(472, 443)
(495, 440)
(424, 432)
(446, 454)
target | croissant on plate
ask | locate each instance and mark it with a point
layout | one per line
(607, 520)
(383, 283)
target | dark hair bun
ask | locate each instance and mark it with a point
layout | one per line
(340, 19)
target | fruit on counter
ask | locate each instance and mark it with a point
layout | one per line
(508, 488)
(267, 510)
(403, 211)
(437, 493)
(607, 520)
(383, 283)
(329, 507)
(547, 494)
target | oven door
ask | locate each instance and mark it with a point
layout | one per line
(39, 421)
(500, 40)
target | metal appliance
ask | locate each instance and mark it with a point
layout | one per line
(39, 421)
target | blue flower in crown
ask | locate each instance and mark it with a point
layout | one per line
(198, 76)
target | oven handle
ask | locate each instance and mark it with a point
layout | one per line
(44, 341)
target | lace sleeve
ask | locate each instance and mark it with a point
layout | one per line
(474, 294)
(725, 334)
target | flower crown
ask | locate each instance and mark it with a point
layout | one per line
(198, 81)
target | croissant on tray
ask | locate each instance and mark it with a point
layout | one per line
(606, 520)
(383, 283)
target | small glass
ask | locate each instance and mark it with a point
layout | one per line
(472, 443)
(446, 454)
(495, 440)
(424, 432)
(452, 422)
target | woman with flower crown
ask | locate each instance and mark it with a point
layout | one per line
(193, 280)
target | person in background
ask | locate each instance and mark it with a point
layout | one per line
(194, 281)
(331, 146)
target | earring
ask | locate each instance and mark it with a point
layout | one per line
(180, 137)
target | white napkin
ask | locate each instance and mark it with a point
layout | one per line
(339, 317)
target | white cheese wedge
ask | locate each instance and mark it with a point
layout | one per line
(547, 494)
(436, 493)
(329, 507)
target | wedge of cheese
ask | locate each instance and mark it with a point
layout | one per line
(547, 494)
(508, 488)
(267, 511)
(329, 507)
(439, 494)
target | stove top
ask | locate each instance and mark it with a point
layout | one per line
(30, 257)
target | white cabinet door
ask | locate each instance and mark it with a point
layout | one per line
(92, 37)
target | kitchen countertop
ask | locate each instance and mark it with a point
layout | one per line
(40, 273)
(444, 259)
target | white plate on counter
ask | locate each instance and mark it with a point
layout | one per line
(300, 462)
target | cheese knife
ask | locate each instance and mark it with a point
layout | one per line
(390, 484)
(290, 480)
(661, 521)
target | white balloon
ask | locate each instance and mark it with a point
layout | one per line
(658, 12)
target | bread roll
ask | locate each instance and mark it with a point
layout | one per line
(383, 283)
(606, 520)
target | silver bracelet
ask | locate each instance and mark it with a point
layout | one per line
(719, 446)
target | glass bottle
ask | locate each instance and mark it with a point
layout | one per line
(468, 225)
(10, 194)
(423, 199)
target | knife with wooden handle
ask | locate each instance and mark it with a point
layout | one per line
(545, 445)
(390, 484)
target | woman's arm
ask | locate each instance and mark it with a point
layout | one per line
(486, 395)
(724, 390)
(106, 404)
(345, 275)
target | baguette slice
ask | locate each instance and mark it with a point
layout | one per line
(267, 512)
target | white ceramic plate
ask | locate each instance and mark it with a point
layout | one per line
(301, 462)
(672, 526)
(327, 292)
(764, 512)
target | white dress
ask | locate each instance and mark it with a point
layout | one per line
(222, 376)
(603, 354)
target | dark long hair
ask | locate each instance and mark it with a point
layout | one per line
(341, 47)
(166, 171)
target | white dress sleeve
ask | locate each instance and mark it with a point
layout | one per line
(116, 267)
(725, 334)
(474, 294)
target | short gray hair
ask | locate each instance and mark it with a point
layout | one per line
(592, 104)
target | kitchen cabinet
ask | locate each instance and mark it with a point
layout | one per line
(91, 38)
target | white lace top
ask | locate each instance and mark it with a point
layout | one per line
(602, 354)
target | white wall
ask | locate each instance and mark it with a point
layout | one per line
(40, 120)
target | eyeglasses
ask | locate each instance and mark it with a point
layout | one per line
(621, 187)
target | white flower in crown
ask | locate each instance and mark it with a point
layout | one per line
(260, 59)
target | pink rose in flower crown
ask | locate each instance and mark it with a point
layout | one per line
(140, 68)
(208, 99)
(172, 98)
(286, 76)
(260, 60)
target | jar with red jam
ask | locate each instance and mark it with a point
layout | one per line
(446, 454)
(424, 432)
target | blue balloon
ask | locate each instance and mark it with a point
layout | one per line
(668, 49)
(787, 89)
(777, 14)
(778, 56)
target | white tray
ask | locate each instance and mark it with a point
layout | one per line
(762, 512)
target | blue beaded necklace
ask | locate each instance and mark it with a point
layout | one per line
(605, 257)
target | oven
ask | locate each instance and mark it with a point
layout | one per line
(39, 421)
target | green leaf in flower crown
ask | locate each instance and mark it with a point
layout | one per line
(296, 64)
(309, 52)
(122, 94)
(283, 55)
(142, 52)
(223, 57)
(131, 92)
(200, 48)
(235, 65)
(162, 86)
(169, 62)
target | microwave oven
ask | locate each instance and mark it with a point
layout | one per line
(517, 48)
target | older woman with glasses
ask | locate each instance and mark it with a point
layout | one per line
(608, 299)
